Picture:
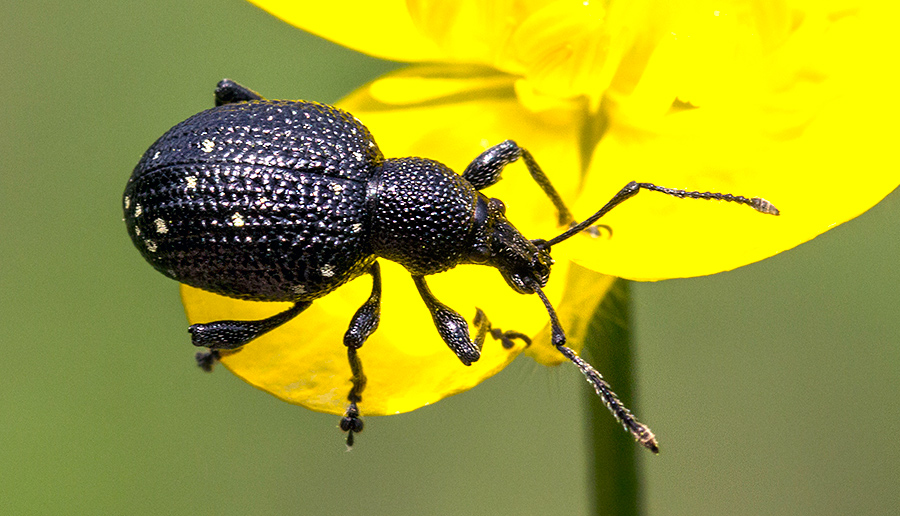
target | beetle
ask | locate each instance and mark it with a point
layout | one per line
(272, 200)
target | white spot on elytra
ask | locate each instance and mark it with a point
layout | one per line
(337, 188)
(358, 155)
(161, 226)
(299, 289)
(138, 210)
(127, 202)
(155, 156)
(356, 228)
(327, 271)
(151, 245)
(137, 231)
(191, 182)
(207, 145)
(237, 220)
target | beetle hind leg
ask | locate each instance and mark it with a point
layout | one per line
(234, 334)
(363, 324)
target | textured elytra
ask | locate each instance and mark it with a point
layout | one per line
(258, 200)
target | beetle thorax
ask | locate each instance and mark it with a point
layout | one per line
(421, 214)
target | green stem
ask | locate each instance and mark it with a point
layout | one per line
(612, 452)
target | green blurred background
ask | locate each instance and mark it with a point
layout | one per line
(774, 389)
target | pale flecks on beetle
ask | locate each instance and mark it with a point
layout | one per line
(340, 206)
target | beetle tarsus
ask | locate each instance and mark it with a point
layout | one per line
(505, 337)
(207, 359)
(351, 423)
(358, 379)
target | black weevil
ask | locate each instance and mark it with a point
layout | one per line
(286, 201)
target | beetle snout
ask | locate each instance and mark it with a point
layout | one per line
(524, 278)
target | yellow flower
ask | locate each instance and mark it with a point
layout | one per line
(780, 100)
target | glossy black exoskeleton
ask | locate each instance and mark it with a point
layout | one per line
(287, 201)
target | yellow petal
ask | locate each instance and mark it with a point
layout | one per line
(805, 121)
(382, 29)
(570, 49)
(561, 48)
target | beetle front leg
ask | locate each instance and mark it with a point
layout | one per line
(505, 337)
(452, 327)
(485, 170)
(229, 92)
(234, 334)
(363, 324)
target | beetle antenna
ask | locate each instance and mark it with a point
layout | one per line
(640, 431)
(631, 189)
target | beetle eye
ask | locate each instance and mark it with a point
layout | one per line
(480, 254)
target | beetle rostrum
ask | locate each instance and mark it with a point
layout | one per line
(286, 201)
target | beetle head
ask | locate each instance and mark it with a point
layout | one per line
(522, 262)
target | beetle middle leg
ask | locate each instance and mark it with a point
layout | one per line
(485, 170)
(363, 324)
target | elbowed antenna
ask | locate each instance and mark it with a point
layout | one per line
(631, 189)
(640, 431)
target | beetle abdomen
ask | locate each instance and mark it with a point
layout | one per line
(256, 200)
